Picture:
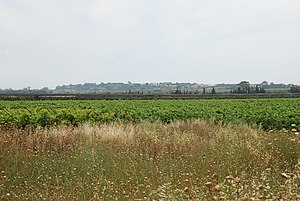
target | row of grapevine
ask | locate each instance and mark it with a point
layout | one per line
(270, 113)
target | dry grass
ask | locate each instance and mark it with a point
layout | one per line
(191, 160)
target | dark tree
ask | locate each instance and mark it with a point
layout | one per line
(257, 90)
(295, 89)
(213, 91)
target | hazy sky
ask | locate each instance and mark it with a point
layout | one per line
(55, 42)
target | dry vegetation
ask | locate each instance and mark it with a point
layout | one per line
(187, 160)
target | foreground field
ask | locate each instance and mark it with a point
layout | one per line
(185, 160)
(269, 113)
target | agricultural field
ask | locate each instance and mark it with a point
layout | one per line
(268, 113)
(150, 150)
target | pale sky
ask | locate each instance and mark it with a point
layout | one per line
(55, 42)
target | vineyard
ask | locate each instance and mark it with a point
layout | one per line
(150, 149)
(269, 113)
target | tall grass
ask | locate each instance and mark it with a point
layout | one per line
(187, 160)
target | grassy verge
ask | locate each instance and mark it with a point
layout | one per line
(191, 160)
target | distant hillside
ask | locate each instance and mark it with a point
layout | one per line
(159, 88)
(164, 87)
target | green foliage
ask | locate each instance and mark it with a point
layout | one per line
(269, 113)
(295, 89)
(213, 91)
(242, 89)
(44, 118)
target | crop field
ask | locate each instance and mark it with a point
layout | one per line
(150, 150)
(269, 113)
